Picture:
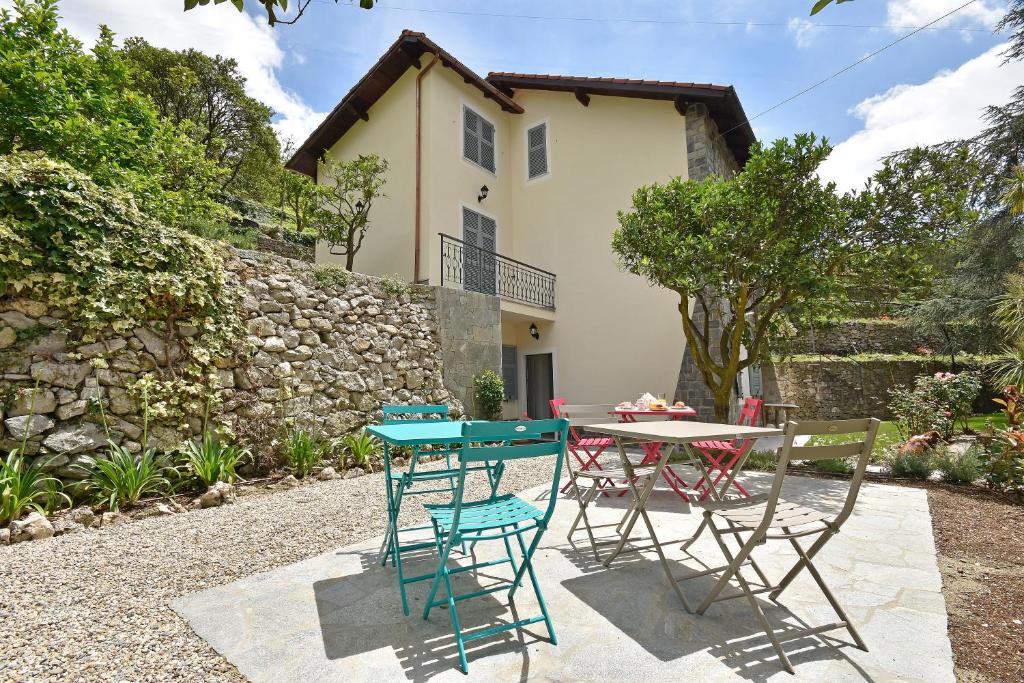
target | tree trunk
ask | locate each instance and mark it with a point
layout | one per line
(350, 259)
(722, 405)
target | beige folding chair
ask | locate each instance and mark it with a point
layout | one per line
(599, 478)
(766, 517)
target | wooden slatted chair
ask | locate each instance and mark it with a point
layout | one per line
(498, 517)
(727, 457)
(585, 448)
(754, 521)
(591, 478)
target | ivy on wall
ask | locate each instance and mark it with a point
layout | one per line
(90, 252)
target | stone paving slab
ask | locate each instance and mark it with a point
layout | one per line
(337, 616)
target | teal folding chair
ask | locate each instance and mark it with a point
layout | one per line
(495, 518)
(402, 484)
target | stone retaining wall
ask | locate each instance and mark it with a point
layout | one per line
(285, 248)
(327, 356)
(844, 387)
(849, 337)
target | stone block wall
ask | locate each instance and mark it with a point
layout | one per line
(894, 335)
(469, 332)
(326, 355)
(285, 248)
(706, 154)
(847, 387)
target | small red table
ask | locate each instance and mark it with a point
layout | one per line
(652, 449)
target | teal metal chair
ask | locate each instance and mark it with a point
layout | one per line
(401, 484)
(495, 518)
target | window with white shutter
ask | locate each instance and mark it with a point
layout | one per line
(477, 139)
(537, 151)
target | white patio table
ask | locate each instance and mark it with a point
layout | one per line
(675, 434)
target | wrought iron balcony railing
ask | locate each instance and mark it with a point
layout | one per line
(479, 270)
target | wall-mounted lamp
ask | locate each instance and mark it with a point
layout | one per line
(483, 194)
(534, 332)
(359, 207)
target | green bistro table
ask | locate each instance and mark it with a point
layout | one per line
(413, 434)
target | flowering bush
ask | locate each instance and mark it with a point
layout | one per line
(1002, 457)
(938, 402)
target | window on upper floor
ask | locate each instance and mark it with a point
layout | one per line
(477, 139)
(537, 151)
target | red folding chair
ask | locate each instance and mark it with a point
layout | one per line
(726, 456)
(585, 449)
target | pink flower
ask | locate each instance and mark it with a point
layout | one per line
(944, 376)
(949, 414)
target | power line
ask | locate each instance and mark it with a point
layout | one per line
(850, 66)
(671, 22)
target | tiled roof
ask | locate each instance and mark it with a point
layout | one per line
(506, 75)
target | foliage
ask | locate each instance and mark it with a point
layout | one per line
(938, 402)
(910, 464)
(347, 192)
(301, 196)
(834, 466)
(77, 107)
(762, 461)
(90, 252)
(360, 447)
(488, 394)
(1013, 191)
(961, 467)
(756, 253)
(273, 6)
(822, 4)
(211, 459)
(205, 96)
(302, 450)
(393, 286)
(23, 487)
(1002, 459)
(121, 479)
(332, 275)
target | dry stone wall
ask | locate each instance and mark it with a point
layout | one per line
(324, 355)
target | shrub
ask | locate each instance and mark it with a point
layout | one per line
(938, 402)
(331, 275)
(25, 487)
(834, 466)
(393, 286)
(361, 447)
(910, 465)
(763, 461)
(211, 460)
(1002, 452)
(961, 467)
(488, 394)
(302, 450)
(120, 480)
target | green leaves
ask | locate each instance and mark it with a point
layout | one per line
(822, 4)
(344, 198)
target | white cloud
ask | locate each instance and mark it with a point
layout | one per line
(983, 14)
(802, 30)
(213, 29)
(950, 106)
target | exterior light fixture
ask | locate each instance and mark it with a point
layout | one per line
(534, 332)
(483, 194)
(359, 206)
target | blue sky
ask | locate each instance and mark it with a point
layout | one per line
(926, 89)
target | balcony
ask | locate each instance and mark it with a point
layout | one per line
(469, 267)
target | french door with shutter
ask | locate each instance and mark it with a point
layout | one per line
(480, 235)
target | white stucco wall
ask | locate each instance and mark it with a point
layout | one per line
(390, 133)
(615, 335)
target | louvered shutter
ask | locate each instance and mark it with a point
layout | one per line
(487, 145)
(537, 151)
(477, 139)
(470, 135)
(509, 372)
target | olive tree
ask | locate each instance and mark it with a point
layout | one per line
(747, 253)
(346, 193)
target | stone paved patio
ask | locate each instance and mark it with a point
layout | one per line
(337, 616)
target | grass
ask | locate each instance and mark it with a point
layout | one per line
(889, 436)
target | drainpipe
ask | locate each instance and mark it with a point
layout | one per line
(419, 154)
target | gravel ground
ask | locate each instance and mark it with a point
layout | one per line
(93, 605)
